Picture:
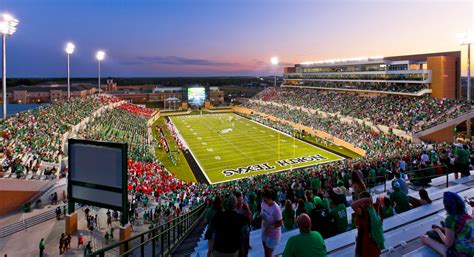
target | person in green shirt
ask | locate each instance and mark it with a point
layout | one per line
(307, 243)
(316, 183)
(211, 213)
(41, 247)
(400, 199)
(339, 216)
(462, 161)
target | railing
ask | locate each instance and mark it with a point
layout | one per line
(159, 241)
(24, 224)
(369, 181)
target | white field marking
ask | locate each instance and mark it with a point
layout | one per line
(262, 131)
(204, 143)
(267, 145)
(195, 133)
(270, 172)
(219, 135)
(261, 154)
(210, 150)
(312, 146)
(272, 135)
(281, 132)
(199, 138)
(235, 162)
(247, 146)
(217, 157)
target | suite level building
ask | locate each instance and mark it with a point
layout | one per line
(437, 74)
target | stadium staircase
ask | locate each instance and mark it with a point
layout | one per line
(448, 123)
(401, 231)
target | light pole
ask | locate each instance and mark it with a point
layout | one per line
(7, 27)
(467, 39)
(275, 62)
(100, 56)
(69, 50)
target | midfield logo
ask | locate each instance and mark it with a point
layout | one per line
(266, 166)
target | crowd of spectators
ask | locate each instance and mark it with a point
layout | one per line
(35, 136)
(136, 109)
(395, 87)
(406, 113)
(156, 195)
(120, 125)
(375, 143)
(319, 193)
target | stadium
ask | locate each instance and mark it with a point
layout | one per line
(369, 156)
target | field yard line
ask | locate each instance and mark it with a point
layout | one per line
(251, 153)
(230, 145)
(229, 142)
(236, 137)
(197, 161)
(224, 148)
(322, 149)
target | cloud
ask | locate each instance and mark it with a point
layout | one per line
(176, 60)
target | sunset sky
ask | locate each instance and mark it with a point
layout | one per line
(222, 37)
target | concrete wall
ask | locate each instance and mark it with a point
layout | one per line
(443, 135)
(14, 193)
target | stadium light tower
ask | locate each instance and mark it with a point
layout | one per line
(100, 56)
(7, 27)
(467, 39)
(69, 50)
(275, 62)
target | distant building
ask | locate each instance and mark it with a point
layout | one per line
(163, 96)
(47, 93)
(437, 74)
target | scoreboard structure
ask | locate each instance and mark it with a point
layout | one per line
(196, 96)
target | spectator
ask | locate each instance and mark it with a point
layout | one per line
(244, 210)
(338, 215)
(41, 247)
(307, 243)
(215, 208)
(300, 209)
(228, 227)
(401, 182)
(358, 185)
(424, 199)
(80, 240)
(399, 198)
(288, 215)
(271, 222)
(384, 207)
(320, 218)
(58, 213)
(457, 235)
(62, 244)
(462, 156)
(88, 249)
(369, 240)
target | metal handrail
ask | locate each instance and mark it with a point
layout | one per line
(445, 173)
(183, 224)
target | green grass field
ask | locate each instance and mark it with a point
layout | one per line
(249, 149)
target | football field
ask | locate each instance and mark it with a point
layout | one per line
(228, 146)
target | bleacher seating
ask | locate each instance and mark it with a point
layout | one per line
(398, 229)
